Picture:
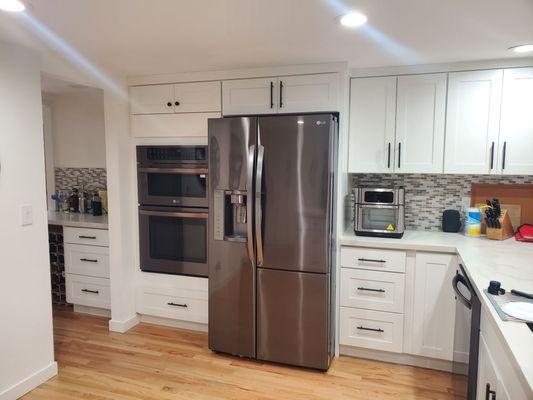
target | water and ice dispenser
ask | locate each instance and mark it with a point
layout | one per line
(230, 215)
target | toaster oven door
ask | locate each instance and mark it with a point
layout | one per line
(379, 219)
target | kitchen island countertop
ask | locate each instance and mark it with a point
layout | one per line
(77, 220)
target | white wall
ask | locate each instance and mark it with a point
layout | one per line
(79, 129)
(26, 339)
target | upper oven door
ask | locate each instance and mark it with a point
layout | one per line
(379, 219)
(173, 240)
(172, 186)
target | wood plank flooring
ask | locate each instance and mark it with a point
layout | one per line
(153, 362)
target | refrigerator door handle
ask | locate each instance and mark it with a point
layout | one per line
(249, 204)
(259, 204)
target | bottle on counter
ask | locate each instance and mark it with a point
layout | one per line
(74, 201)
(83, 202)
(97, 204)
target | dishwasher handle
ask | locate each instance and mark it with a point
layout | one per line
(458, 278)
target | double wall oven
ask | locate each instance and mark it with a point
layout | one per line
(173, 209)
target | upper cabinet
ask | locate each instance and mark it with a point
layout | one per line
(288, 94)
(250, 96)
(372, 122)
(397, 124)
(177, 98)
(420, 118)
(473, 122)
(516, 131)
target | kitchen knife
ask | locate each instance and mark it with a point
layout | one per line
(522, 294)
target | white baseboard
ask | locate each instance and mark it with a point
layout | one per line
(31, 382)
(173, 323)
(123, 326)
(398, 358)
(99, 312)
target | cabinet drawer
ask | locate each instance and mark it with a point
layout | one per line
(371, 329)
(374, 259)
(172, 306)
(373, 290)
(88, 291)
(87, 260)
(93, 237)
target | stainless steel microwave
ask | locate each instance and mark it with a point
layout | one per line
(379, 212)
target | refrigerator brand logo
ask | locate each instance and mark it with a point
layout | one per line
(321, 122)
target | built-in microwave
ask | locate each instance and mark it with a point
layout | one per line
(379, 212)
(173, 209)
(172, 175)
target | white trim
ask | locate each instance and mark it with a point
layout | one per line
(172, 323)
(443, 67)
(99, 312)
(31, 382)
(397, 358)
(123, 326)
(179, 77)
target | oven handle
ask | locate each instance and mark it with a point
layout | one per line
(173, 214)
(193, 171)
(458, 278)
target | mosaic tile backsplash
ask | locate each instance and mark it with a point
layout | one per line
(90, 178)
(428, 195)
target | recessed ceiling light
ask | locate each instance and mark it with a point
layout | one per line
(12, 5)
(353, 19)
(523, 48)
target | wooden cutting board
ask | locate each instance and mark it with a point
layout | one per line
(518, 199)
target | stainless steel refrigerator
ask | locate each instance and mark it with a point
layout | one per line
(270, 252)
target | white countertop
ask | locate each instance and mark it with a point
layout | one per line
(77, 220)
(508, 261)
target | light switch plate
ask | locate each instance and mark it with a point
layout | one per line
(26, 215)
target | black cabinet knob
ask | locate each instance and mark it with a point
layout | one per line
(177, 103)
(169, 104)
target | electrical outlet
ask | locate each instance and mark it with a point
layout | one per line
(26, 215)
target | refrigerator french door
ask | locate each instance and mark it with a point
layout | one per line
(270, 238)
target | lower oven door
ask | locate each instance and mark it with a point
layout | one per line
(466, 338)
(173, 240)
(166, 186)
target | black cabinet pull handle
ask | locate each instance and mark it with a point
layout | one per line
(90, 291)
(489, 392)
(88, 260)
(370, 260)
(363, 328)
(169, 104)
(388, 157)
(504, 154)
(399, 154)
(177, 305)
(371, 290)
(86, 237)
(177, 103)
(271, 94)
(492, 156)
(280, 94)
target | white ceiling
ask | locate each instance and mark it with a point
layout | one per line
(164, 36)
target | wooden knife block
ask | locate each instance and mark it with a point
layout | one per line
(505, 232)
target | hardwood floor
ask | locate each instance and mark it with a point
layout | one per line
(153, 362)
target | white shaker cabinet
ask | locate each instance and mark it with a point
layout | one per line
(433, 336)
(308, 93)
(473, 122)
(516, 131)
(284, 94)
(250, 96)
(372, 124)
(176, 98)
(420, 121)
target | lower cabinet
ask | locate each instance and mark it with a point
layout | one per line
(88, 291)
(433, 305)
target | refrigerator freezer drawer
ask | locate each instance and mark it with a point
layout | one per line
(371, 329)
(293, 318)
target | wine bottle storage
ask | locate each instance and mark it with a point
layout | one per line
(57, 264)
